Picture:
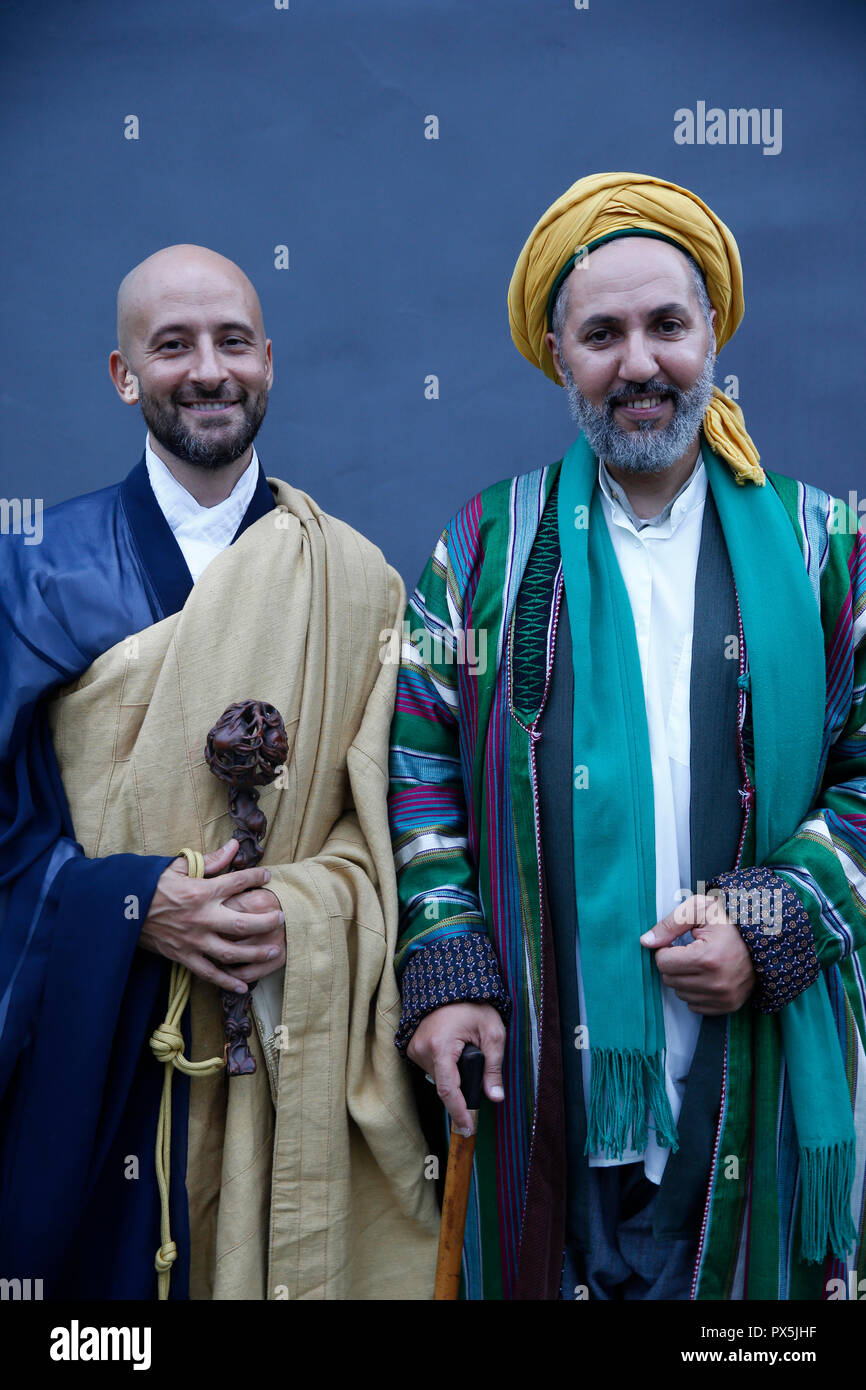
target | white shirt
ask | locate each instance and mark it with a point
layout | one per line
(201, 532)
(658, 560)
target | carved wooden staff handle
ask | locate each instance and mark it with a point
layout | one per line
(246, 748)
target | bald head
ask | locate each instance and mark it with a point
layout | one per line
(174, 277)
(192, 354)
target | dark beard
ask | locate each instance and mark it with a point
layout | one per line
(166, 426)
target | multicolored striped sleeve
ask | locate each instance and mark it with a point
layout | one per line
(825, 860)
(444, 953)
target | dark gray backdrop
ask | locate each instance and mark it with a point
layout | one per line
(305, 126)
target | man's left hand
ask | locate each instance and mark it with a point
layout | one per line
(260, 900)
(713, 974)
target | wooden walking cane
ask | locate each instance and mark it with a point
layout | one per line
(245, 749)
(458, 1177)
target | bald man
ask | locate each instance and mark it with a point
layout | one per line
(149, 608)
(185, 304)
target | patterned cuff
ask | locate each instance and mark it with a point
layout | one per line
(775, 926)
(459, 969)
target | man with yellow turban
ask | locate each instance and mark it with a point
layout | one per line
(631, 835)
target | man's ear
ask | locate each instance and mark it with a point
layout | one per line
(125, 380)
(550, 342)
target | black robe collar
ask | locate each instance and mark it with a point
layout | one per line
(160, 555)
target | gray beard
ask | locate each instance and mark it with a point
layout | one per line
(167, 428)
(647, 449)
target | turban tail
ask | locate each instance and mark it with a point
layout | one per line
(602, 204)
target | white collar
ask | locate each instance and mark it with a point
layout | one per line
(692, 494)
(181, 502)
(201, 532)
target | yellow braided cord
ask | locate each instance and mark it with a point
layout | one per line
(167, 1047)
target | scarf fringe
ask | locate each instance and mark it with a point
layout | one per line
(827, 1175)
(625, 1086)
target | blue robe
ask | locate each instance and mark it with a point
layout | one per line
(79, 1087)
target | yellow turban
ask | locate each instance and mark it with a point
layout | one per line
(603, 203)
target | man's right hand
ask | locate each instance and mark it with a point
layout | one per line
(438, 1041)
(189, 922)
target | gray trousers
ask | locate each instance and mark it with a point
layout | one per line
(625, 1260)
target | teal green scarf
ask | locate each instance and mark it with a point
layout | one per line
(614, 836)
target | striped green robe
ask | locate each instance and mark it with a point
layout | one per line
(464, 816)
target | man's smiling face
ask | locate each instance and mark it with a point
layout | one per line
(636, 353)
(193, 338)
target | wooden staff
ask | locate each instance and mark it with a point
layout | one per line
(458, 1179)
(246, 748)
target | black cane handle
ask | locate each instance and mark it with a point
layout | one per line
(471, 1069)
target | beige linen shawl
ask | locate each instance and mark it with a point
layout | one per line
(306, 1180)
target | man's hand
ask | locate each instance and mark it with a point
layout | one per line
(713, 974)
(205, 923)
(438, 1042)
